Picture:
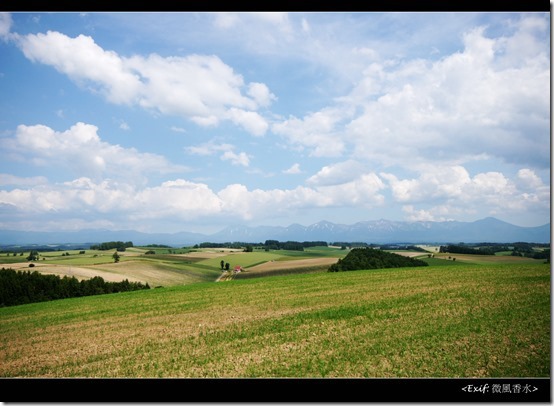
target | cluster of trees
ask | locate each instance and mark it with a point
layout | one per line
(518, 249)
(22, 287)
(370, 258)
(235, 245)
(352, 244)
(110, 245)
(291, 245)
(524, 249)
(402, 248)
(267, 245)
(462, 249)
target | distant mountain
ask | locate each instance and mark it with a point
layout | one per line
(386, 231)
(377, 231)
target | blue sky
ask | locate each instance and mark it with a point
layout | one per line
(166, 122)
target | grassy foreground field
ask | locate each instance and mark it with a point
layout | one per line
(439, 321)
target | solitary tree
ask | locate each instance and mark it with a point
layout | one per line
(222, 264)
(227, 266)
(115, 257)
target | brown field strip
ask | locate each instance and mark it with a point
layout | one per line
(78, 272)
(295, 263)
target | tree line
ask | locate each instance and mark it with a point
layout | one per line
(370, 258)
(22, 287)
(518, 249)
(267, 245)
(462, 249)
(110, 245)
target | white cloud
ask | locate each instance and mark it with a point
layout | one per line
(437, 213)
(213, 146)
(180, 198)
(124, 126)
(335, 174)
(123, 203)
(485, 99)
(434, 182)
(293, 170)
(209, 148)
(241, 159)
(178, 129)
(81, 150)
(528, 180)
(261, 94)
(249, 120)
(85, 62)
(491, 98)
(454, 192)
(317, 131)
(199, 87)
(363, 191)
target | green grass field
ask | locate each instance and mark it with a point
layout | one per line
(453, 320)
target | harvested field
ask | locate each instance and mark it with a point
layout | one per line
(409, 254)
(78, 272)
(154, 273)
(295, 263)
(210, 254)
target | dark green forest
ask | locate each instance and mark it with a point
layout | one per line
(22, 287)
(110, 245)
(369, 258)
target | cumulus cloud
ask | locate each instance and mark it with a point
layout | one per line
(454, 191)
(249, 120)
(199, 87)
(293, 170)
(181, 199)
(448, 195)
(491, 98)
(337, 173)
(261, 94)
(85, 62)
(81, 150)
(209, 148)
(213, 147)
(317, 132)
(241, 159)
(178, 129)
(436, 213)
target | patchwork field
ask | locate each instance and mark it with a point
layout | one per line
(447, 320)
(170, 267)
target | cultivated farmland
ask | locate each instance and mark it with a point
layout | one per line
(171, 267)
(447, 320)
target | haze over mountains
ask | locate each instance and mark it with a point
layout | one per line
(376, 231)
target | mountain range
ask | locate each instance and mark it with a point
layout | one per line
(376, 231)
